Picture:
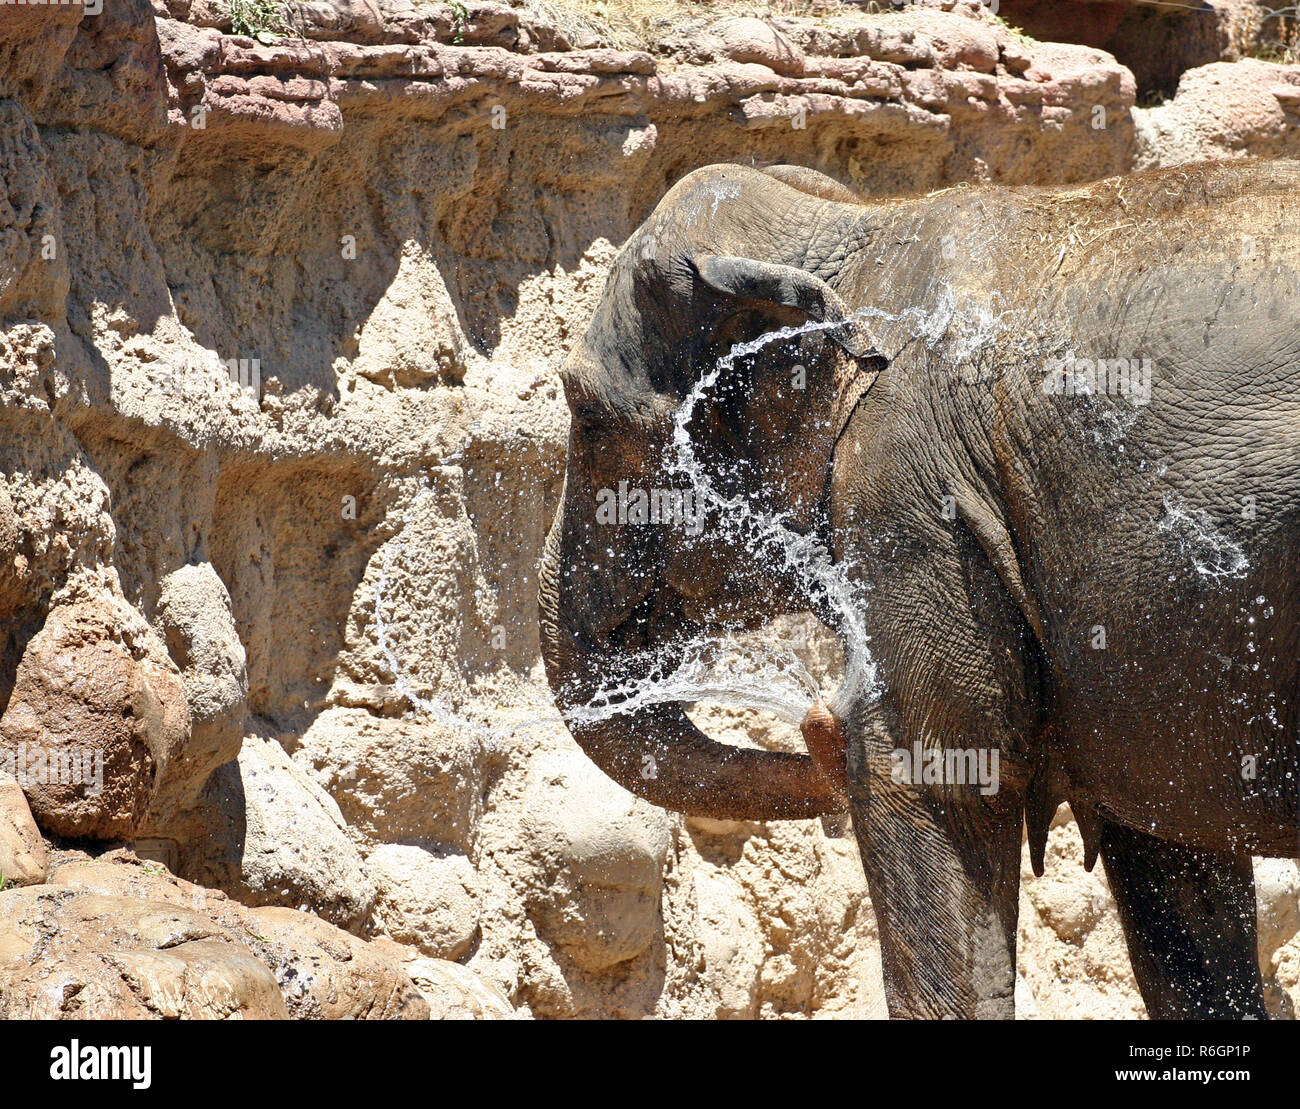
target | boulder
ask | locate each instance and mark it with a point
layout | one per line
(114, 937)
(66, 954)
(455, 992)
(1244, 109)
(355, 20)
(24, 859)
(397, 780)
(599, 855)
(732, 939)
(96, 720)
(326, 973)
(1073, 903)
(1277, 901)
(193, 619)
(746, 39)
(266, 834)
(426, 900)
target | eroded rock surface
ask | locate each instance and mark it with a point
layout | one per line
(269, 835)
(96, 719)
(113, 938)
(24, 856)
(281, 435)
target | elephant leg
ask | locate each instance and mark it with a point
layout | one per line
(1189, 919)
(959, 680)
(944, 883)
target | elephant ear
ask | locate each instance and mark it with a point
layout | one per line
(750, 279)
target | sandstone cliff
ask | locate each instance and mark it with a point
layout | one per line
(281, 433)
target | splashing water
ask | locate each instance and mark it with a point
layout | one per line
(716, 192)
(1212, 554)
(764, 676)
(766, 536)
(970, 326)
(753, 676)
(759, 676)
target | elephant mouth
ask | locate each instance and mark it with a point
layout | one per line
(716, 612)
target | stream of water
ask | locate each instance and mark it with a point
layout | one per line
(764, 676)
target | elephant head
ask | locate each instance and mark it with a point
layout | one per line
(728, 255)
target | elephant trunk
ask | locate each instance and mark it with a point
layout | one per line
(656, 752)
(823, 735)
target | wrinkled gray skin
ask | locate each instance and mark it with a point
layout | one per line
(1072, 515)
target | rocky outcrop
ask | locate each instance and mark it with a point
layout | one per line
(24, 857)
(194, 621)
(269, 835)
(96, 720)
(1073, 960)
(112, 938)
(455, 992)
(597, 868)
(425, 900)
(1246, 109)
(280, 438)
(1157, 41)
(935, 98)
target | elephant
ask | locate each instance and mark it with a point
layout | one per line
(1051, 438)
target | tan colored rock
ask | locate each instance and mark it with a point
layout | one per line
(599, 854)
(12, 563)
(1072, 958)
(96, 719)
(1277, 896)
(1026, 1006)
(395, 780)
(416, 297)
(357, 20)
(1242, 109)
(33, 40)
(317, 971)
(732, 943)
(1073, 904)
(266, 834)
(425, 900)
(24, 858)
(455, 992)
(328, 974)
(738, 38)
(65, 954)
(194, 621)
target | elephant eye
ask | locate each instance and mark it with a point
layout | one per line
(590, 421)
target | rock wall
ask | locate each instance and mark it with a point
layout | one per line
(280, 437)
